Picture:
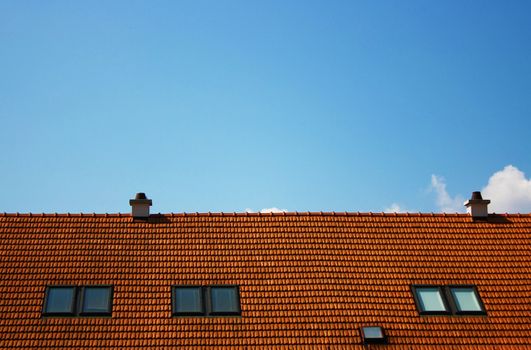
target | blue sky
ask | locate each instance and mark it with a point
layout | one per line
(229, 105)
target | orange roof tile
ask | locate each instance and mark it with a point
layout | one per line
(307, 280)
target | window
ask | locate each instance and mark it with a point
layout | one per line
(373, 335)
(455, 299)
(466, 300)
(59, 301)
(224, 301)
(75, 301)
(430, 300)
(96, 301)
(205, 301)
(188, 301)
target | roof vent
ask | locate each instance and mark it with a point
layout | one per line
(477, 206)
(140, 206)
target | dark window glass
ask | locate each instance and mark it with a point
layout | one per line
(187, 301)
(466, 300)
(205, 300)
(224, 300)
(77, 300)
(96, 300)
(59, 300)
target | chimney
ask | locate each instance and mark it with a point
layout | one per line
(477, 206)
(140, 206)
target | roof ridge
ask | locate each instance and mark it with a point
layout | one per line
(283, 213)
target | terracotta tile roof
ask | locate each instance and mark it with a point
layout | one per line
(306, 279)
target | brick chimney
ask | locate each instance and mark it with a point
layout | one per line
(140, 206)
(477, 206)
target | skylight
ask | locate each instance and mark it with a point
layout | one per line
(454, 299)
(466, 300)
(430, 300)
(77, 301)
(59, 301)
(372, 335)
(188, 300)
(205, 301)
(96, 300)
(224, 301)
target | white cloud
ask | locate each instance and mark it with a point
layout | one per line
(509, 191)
(445, 202)
(273, 210)
(395, 208)
(267, 210)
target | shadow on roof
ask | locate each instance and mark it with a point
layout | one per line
(498, 219)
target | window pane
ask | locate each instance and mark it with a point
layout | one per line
(96, 300)
(465, 299)
(224, 300)
(430, 299)
(59, 300)
(372, 332)
(187, 300)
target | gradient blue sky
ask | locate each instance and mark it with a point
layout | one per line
(228, 105)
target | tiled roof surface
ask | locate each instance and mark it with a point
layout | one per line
(306, 279)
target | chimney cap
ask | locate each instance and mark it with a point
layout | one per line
(476, 195)
(140, 195)
(140, 199)
(476, 198)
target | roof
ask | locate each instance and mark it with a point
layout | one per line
(306, 279)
